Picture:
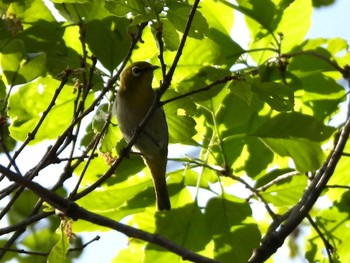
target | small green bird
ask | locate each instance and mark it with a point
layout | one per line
(133, 101)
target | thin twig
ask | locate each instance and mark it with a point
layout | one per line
(23, 251)
(253, 190)
(168, 77)
(94, 147)
(45, 254)
(338, 186)
(96, 238)
(277, 180)
(328, 246)
(24, 223)
(227, 173)
(206, 88)
(52, 103)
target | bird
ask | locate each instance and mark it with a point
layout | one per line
(134, 98)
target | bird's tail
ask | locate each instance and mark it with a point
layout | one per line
(158, 170)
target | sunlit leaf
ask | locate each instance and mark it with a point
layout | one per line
(279, 97)
(286, 192)
(196, 237)
(108, 40)
(26, 112)
(333, 224)
(58, 252)
(233, 237)
(20, 67)
(307, 155)
(178, 17)
(170, 35)
(294, 125)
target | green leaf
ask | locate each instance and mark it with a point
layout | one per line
(182, 128)
(307, 155)
(76, 11)
(178, 17)
(259, 157)
(196, 53)
(286, 192)
(108, 40)
(31, 11)
(227, 121)
(243, 90)
(6, 139)
(142, 11)
(322, 95)
(233, 234)
(262, 12)
(3, 95)
(20, 67)
(114, 196)
(39, 37)
(22, 207)
(271, 175)
(313, 56)
(232, 113)
(147, 50)
(179, 113)
(26, 112)
(13, 53)
(112, 135)
(170, 35)
(132, 253)
(180, 218)
(100, 118)
(192, 178)
(297, 136)
(69, 1)
(220, 18)
(98, 166)
(218, 15)
(334, 226)
(115, 201)
(278, 96)
(204, 77)
(121, 8)
(40, 240)
(269, 19)
(188, 227)
(294, 125)
(110, 139)
(295, 23)
(59, 251)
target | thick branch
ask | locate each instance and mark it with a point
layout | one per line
(279, 232)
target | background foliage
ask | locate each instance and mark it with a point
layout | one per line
(259, 118)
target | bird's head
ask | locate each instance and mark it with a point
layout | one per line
(138, 75)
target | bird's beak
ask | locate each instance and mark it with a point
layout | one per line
(150, 68)
(154, 67)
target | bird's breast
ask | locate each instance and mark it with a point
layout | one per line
(130, 112)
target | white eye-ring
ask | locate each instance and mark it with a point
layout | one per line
(136, 71)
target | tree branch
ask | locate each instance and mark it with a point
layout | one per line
(328, 246)
(168, 77)
(76, 212)
(279, 231)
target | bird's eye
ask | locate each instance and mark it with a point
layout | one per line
(136, 71)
